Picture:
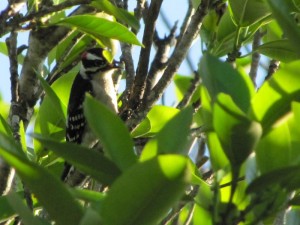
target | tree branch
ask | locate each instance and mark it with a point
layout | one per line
(11, 22)
(187, 20)
(5, 170)
(160, 60)
(142, 69)
(128, 59)
(174, 62)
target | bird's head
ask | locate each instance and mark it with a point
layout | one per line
(95, 61)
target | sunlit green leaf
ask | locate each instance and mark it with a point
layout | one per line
(86, 160)
(40, 181)
(96, 26)
(282, 12)
(219, 77)
(274, 98)
(281, 50)
(202, 216)
(146, 192)
(119, 13)
(238, 135)
(182, 84)
(158, 116)
(4, 126)
(274, 150)
(56, 103)
(172, 138)
(3, 48)
(142, 129)
(217, 155)
(50, 122)
(114, 135)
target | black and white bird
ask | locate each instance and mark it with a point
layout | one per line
(95, 78)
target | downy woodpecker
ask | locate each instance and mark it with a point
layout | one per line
(95, 78)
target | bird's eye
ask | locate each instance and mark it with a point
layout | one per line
(99, 63)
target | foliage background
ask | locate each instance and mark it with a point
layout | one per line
(246, 139)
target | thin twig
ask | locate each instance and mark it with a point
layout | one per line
(190, 92)
(190, 215)
(187, 20)
(127, 58)
(273, 67)
(255, 56)
(14, 117)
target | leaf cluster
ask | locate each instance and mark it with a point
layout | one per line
(226, 153)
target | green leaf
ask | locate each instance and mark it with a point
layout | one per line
(96, 26)
(56, 103)
(238, 135)
(40, 181)
(142, 129)
(182, 84)
(172, 138)
(281, 50)
(156, 119)
(112, 132)
(174, 135)
(219, 77)
(22, 210)
(274, 98)
(224, 36)
(283, 177)
(85, 159)
(91, 217)
(202, 216)
(283, 14)
(3, 48)
(209, 28)
(297, 4)
(75, 51)
(119, 13)
(4, 127)
(247, 12)
(7, 141)
(145, 193)
(6, 211)
(87, 195)
(50, 122)
(204, 197)
(206, 110)
(274, 149)
(216, 153)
